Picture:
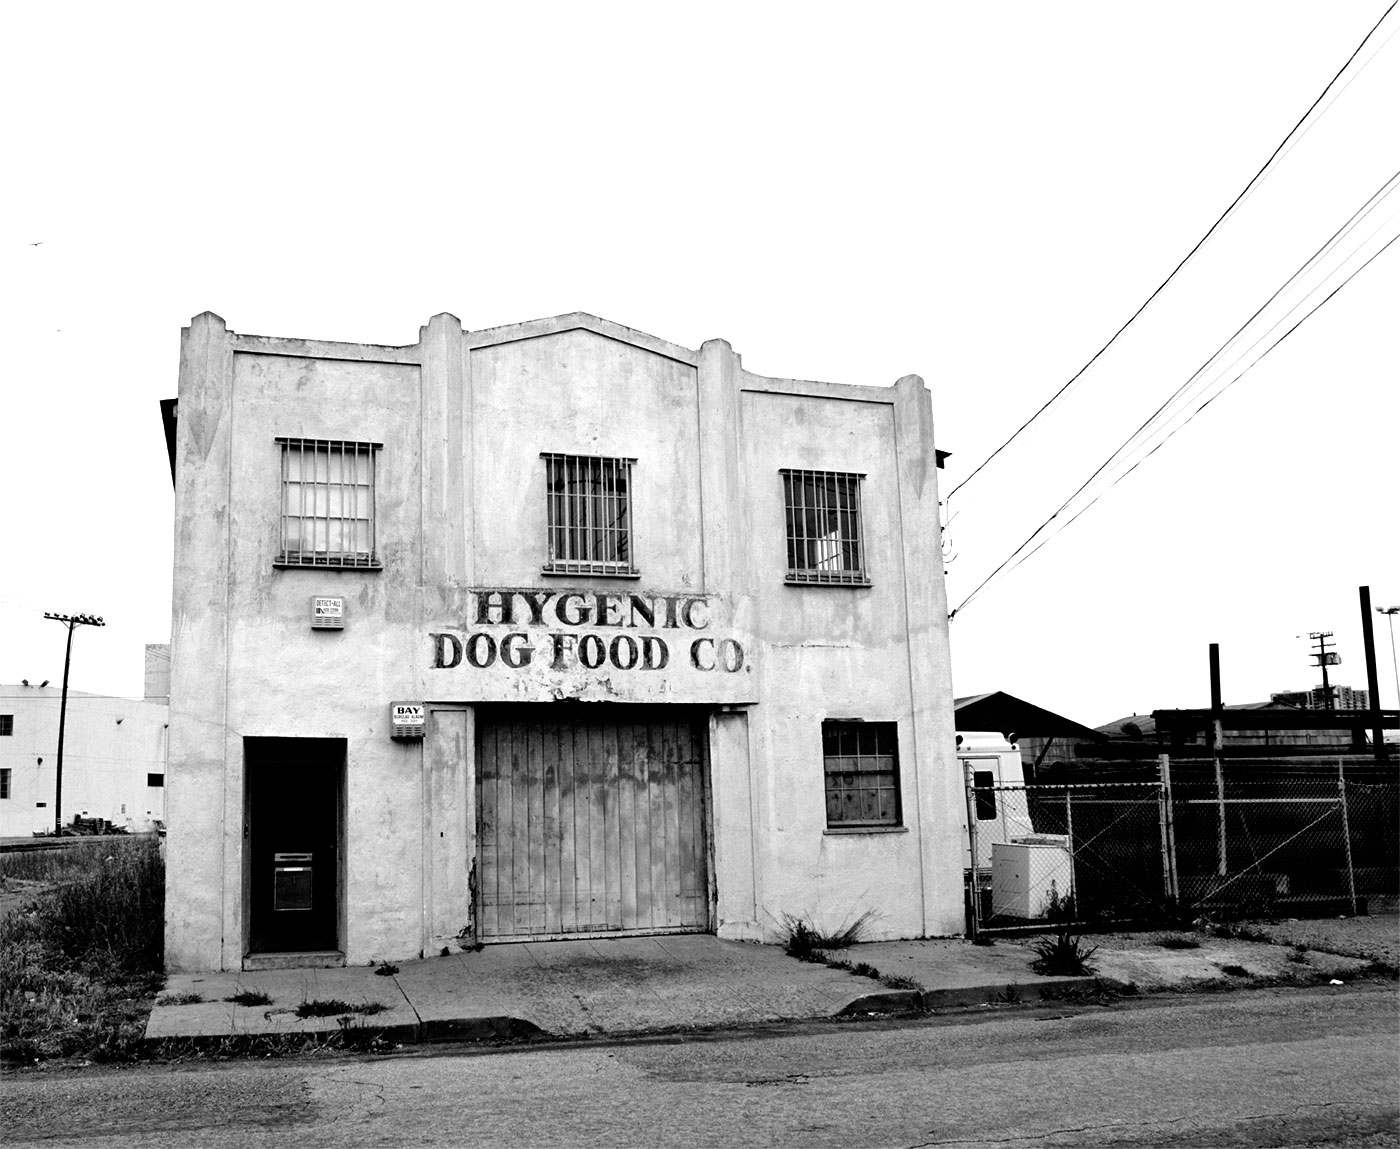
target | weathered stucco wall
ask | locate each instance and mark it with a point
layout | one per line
(461, 613)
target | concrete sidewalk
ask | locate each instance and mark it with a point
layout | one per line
(618, 986)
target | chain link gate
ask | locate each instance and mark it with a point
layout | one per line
(1096, 853)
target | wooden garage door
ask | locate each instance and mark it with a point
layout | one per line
(591, 820)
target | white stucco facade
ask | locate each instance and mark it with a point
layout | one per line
(458, 615)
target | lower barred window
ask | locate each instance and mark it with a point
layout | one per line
(861, 763)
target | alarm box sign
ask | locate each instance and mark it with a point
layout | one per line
(327, 612)
(406, 719)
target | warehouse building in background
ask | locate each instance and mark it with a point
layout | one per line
(113, 758)
(546, 631)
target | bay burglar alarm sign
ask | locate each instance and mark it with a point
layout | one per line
(406, 719)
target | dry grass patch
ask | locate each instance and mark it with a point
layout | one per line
(81, 963)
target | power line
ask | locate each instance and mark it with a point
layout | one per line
(1199, 244)
(1356, 217)
(1219, 353)
(1008, 561)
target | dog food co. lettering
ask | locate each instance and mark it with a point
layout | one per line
(591, 629)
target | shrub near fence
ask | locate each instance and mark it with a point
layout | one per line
(1282, 836)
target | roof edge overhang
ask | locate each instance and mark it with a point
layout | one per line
(1008, 714)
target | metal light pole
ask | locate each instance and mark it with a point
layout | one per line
(1390, 612)
(70, 621)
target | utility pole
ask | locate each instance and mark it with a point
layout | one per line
(1373, 682)
(1325, 658)
(70, 621)
(1217, 740)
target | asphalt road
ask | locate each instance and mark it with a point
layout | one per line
(1267, 1067)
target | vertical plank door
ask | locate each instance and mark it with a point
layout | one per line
(592, 822)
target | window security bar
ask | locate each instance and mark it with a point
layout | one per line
(589, 512)
(328, 503)
(825, 542)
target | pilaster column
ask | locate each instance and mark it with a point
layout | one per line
(447, 508)
(934, 752)
(723, 509)
(203, 926)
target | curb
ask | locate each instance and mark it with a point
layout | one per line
(892, 1001)
(505, 1029)
(913, 1000)
(1007, 993)
(481, 1029)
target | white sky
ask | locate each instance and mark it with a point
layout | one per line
(979, 194)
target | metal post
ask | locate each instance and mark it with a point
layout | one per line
(1164, 772)
(1069, 833)
(974, 886)
(1346, 834)
(1161, 826)
(1217, 736)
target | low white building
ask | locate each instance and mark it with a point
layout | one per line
(114, 754)
(549, 630)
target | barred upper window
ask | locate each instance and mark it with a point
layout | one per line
(825, 540)
(861, 764)
(7, 724)
(328, 504)
(589, 506)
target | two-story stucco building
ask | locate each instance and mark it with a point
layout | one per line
(543, 631)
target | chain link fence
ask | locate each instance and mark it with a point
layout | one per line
(1260, 838)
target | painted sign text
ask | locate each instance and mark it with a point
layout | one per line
(562, 630)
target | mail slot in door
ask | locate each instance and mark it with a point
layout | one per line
(291, 881)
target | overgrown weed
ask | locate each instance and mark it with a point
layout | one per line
(806, 942)
(349, 1038)
(1063, 955)
(250, 997)
(335, 1007)
(1237, 931)
(81, 964)
(74, 859)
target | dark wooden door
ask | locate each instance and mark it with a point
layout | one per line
(591, 821)
(293, 820)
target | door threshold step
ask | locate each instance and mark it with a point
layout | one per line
(306, 959)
